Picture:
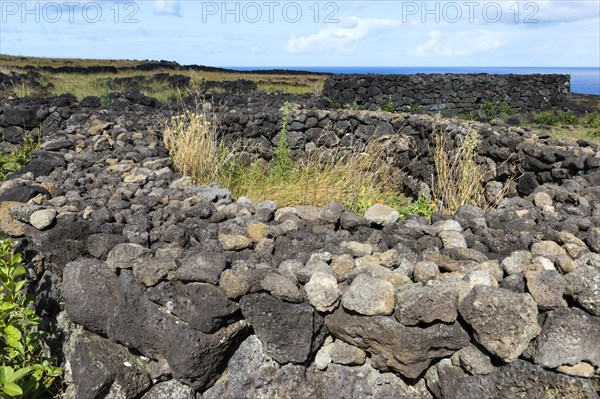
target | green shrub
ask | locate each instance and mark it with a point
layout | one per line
(505, 109)
(420, 207)
(104, 98)
(489, 109)
(387, 106)
(567, 118)
(414, 107)
(24, 372)
(591, 120)
(468, 116)
(283, 164)
(14, 161)
(554, 118)
(546, 118)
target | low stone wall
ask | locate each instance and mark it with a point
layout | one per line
(503, 150)
(152, 287)
(452, 92)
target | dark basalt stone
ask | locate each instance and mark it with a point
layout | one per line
(23, 193)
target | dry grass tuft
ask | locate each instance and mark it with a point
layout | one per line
(193, 145)
(355, 179)
(459, 179)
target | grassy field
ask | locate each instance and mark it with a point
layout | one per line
(21, 62)
(572, 126)
(95, 84)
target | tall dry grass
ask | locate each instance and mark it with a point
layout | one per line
(459, 179)
(194, 147)
(355, 179)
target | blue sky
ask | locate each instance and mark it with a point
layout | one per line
(308, 33)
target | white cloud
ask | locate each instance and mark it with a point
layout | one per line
(167, 7)
(550, 11)
(338, 37)
(458, 43)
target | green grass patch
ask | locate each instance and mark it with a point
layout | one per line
(420, 207)
(565, 125)
(556, 118)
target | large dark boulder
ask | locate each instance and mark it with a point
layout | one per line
(290, 332)
(25, 117)
(503, 321)
(395, 347)
(42, 163)
(195, 358)
(14, 134)
(203, 306)
(527, 183)
(569, 336)
(89, 293)
(23, 193)
(103, 369)
(63, 243)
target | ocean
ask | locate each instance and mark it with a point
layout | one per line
(583, 80)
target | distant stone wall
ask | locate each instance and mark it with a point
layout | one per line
(453, 92)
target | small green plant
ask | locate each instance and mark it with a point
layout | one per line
(414, 107)
(24, 370)
(387, 106)
(14, 161)
(489, 109)
(567, 118)
(420, 207)
(546, 118)
(283, 164)
(595, 134)
(104, 98)
(335, 104)
(505, 109)
(468, 116)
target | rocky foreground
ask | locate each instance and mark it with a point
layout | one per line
(153, 287)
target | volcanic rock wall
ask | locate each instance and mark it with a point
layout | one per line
(532, 157)
(453, 92)
(153, 287)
